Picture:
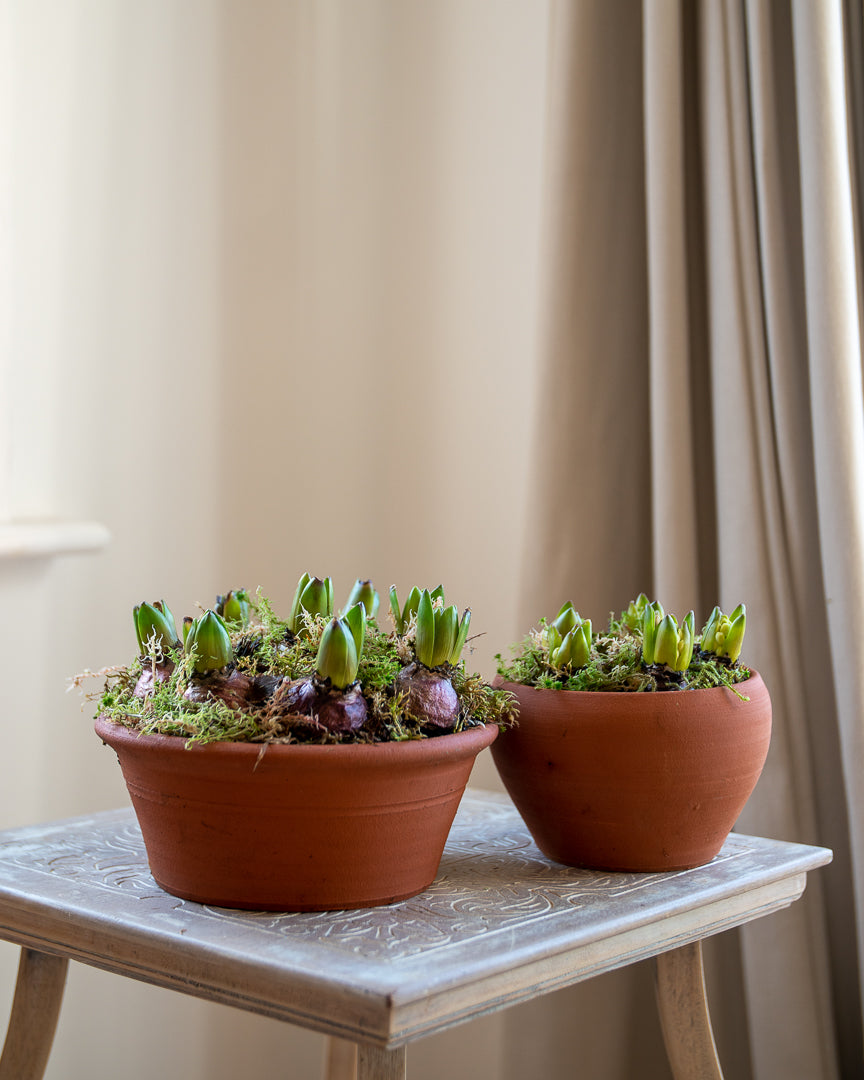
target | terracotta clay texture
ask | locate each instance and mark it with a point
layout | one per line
(634, 781)
(297, 828)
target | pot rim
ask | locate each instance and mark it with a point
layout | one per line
(506, 684)
(482, 735)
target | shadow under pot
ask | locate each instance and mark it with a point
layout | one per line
(634, 781)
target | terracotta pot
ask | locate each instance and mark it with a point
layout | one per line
(301, 828)
(634, 781)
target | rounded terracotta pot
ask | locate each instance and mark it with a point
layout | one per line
(299, 828)
(634, 781)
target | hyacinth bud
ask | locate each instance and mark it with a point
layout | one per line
(723, 635)
(666, 641)
(573, 649)
(338, 657)
(652, 616)
(402, 616)
(208, 637)
(154, 623)
(234, 607)
(566, 619)
(364, 592)
(440, 636)
(673, 645)
(632, 617)
(314, 596)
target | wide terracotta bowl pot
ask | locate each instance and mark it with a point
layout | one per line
(299, 828)
(634, 781)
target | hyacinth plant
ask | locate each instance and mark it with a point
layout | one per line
(240, 672)
(435, 636)
(644, 649)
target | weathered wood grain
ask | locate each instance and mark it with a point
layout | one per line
(35, 1011)
(374, 1063)
(683, 1008)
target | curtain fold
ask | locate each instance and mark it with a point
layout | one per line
(764, 490)
(704, 369)
(593, 420)
(674, 444)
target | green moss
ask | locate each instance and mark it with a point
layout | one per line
(615, 665)
(480, 703)
(268, 650)
(381, 660)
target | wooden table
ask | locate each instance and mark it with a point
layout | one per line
(501, 924)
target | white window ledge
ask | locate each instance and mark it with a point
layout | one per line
(41, 539)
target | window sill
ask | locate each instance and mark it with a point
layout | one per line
(45, 539)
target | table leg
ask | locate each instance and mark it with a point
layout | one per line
(683, 1007)
(373, 1063)
(341, 1059)
(35, 1011)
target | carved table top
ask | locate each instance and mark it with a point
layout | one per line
(501, 923)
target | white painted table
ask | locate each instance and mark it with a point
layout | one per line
(501, 924)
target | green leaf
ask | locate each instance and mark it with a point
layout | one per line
(446, 632)
(234, 608)
(461, 638)
(735, 637)
(424, 638)
(364, 592)
(666, 642)
(566, 619)
(315, 599)
(580, 647)
(152, 627)
(337, 658)
(162, 607)
(411, 606)
(649, 634)
(396, 611)
(211, 643)
(294, 618)
(355, 618)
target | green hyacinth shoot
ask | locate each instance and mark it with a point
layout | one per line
(154, 624)
(402, 615)
(234, 607)
(364, 592)
(341, 645)
(632, 617)
(568, 639)
(440, 636)
(208, 638)
(724, 634)
(313, 596)
(664, 641)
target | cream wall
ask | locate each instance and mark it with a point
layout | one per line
(268, 305)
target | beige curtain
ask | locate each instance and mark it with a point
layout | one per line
(701, 436)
